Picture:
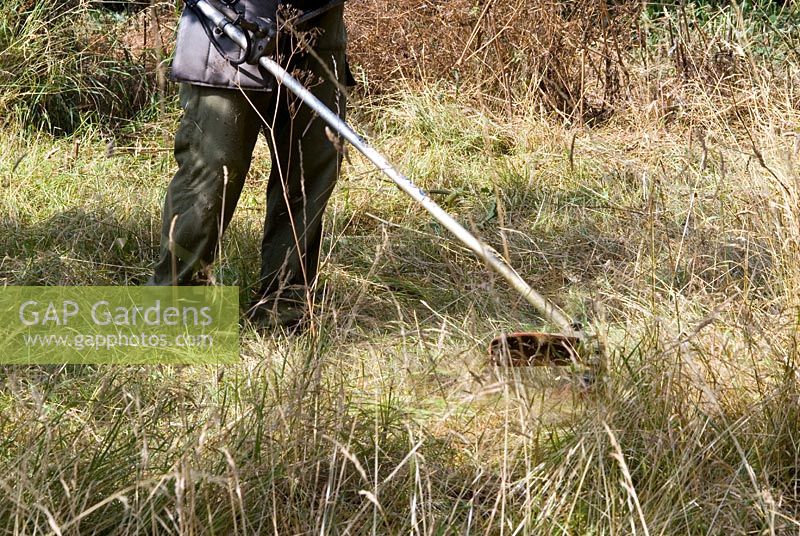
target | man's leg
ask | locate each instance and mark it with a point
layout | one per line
(213, 147)
(305, 167)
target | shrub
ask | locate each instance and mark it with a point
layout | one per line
(570, 54)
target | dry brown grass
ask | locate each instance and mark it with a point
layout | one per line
(586, 61)
(568, 54)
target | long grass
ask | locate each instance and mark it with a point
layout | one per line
(670, 229)
(66, 63)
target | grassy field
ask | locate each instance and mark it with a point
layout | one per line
(668, 224)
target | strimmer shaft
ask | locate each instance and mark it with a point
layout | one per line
(482, 250)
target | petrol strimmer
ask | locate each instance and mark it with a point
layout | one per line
(257, 41)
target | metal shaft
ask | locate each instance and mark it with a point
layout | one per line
(482, 250)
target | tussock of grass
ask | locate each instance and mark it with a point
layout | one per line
(63, 64)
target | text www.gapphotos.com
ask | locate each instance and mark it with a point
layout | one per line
(119, 340)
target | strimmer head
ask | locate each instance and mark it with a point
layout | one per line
(533, 348)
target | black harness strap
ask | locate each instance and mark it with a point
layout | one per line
(254, 29)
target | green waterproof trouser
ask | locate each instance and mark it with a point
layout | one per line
(214, 146)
